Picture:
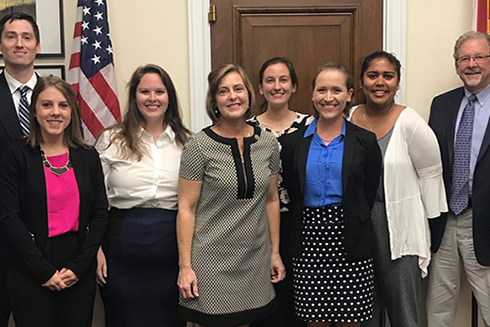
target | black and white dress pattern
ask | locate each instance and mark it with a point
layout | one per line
(300, 121)
(231, 244)
(327, 287)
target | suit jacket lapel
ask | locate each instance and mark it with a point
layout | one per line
(349, 148)
(485, 143)
(453, 109)
(38, 175)
(302, 157)
(80, 169)
(8, 114)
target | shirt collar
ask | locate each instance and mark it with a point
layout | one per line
(312, 128)
(483, 96)
(168, 132)
(15, 84)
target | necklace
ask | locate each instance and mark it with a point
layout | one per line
(58, 171)
(366, 120)
(327, 140)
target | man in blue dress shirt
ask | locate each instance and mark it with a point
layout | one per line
(461, 238)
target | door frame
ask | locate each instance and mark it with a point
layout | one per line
(199, 33)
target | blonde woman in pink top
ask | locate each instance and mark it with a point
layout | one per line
(54, 209)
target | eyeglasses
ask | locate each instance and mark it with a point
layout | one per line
(478, 59)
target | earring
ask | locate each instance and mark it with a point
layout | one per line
(216, 112)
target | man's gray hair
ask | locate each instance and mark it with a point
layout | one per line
(466, 36)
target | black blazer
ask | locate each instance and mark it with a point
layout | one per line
(9, 121)
(443, 114)
(361, 170)
(9, 131)
(23, 208)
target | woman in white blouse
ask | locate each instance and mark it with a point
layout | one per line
(411, 191)
(137, 263)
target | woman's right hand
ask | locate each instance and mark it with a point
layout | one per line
(187, 283)
(55, 283)
(101, 268)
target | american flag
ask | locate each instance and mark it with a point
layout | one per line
(91, 71)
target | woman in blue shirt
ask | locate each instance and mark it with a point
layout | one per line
(332, 169)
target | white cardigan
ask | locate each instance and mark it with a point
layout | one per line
(413, 185)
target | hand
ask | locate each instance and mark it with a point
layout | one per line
(55, 283)
(187, 283)
(278, 272)
(68, 277)
(101, 268)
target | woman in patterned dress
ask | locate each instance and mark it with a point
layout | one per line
(332, 169)
(277, 83)
(228, 221)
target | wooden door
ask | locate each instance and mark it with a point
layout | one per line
(309, 32)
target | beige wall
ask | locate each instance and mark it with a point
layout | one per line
(156, 31)
(432, 28)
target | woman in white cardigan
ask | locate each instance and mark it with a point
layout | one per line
(411, 190)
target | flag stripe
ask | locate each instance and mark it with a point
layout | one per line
(482, 16)
(92, 98)
(91, 121)
(75, 60)
(106, 93)
(78, 29)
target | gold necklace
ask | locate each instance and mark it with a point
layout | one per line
(366, 120)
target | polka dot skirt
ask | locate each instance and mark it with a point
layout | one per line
(327, 287)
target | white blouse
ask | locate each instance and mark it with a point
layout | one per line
(151, 182)
(413, 186)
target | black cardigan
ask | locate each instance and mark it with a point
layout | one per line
(23, 208)
(361, 170)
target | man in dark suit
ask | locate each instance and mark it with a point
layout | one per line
(19, 44)
(461, 238)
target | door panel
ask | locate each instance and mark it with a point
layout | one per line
(248, 32)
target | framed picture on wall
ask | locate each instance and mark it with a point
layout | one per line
(56, 70)
(49, 17)
(45, 70)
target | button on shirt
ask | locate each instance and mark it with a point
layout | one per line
(323, 185)
(14, 86)
(482, 114)
(151, 182)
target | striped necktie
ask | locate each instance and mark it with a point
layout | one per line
(460, 190)
(24, 110)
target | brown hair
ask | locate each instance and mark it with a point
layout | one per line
(333, 65)
(133, 121)
(72, 136)
(214, 80)
(18, 15)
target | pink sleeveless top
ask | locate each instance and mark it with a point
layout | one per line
(63, 198)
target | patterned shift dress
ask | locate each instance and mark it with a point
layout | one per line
(231, 244)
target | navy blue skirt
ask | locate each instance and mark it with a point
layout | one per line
(142, 267)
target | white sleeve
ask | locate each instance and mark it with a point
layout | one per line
(424, 151)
